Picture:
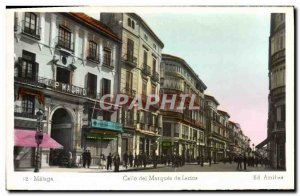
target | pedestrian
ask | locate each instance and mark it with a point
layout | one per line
(209, 160)
(125, 159)
(202, 161)
(130, 159)
(198, 160)
(70, 158)
(84, 154)
(109, 162)
(117, 162)
(144, 160)
(135, 160)
(154, 160)
(245, 161)
(239, 162)
(88, 158)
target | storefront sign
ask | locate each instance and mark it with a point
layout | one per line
(66, 88)
(108, 125)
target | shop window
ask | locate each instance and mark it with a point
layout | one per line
(167, 129)
(63, 75)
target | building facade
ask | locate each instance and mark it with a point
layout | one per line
(183, 131)
(63, 63)
(140, 67)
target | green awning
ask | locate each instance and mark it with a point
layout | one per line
(98, 136)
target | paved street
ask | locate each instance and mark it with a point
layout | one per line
(219, 167)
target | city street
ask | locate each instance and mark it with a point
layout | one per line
(219, 167)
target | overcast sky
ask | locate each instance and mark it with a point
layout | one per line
(230, 54)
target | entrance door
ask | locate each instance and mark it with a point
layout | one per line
(61, 130)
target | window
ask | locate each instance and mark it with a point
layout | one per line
(129, 22)
(63, 75)
(132, 24)
(64, 38)
(92, 85)
(30, 24)
(154, 65)
(106, 115)
(153, 89)
(28, 104)
(93, 51)
(107, 56)
(144, 86)
(106, 89)
(128, 84)
(145, 37)
(145, 57)
(130, 48)
(154, 46)
(28, 68)
(166, 129)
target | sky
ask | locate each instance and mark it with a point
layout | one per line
(229, 52)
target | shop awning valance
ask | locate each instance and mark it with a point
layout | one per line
(26, 138)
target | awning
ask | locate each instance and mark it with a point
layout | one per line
(263, 143)
(26, 138)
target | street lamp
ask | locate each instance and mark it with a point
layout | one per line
(38, 137)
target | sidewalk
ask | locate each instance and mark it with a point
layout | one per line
(92, 169)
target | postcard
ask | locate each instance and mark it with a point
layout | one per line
(150, 98)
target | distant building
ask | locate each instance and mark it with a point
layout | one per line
(276, 140)
(183, 131)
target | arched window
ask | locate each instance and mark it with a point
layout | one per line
(129, 22)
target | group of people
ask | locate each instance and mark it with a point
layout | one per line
(86, 159)
(249, 161)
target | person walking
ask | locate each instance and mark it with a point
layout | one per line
(117, 162)
(135, 160)
(144, 160)
(245, 161)
(130, 159)
(84, 154)
(239, 162)
(109, 162)
(88, 158)
(125, 159)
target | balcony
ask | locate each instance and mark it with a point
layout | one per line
(107, 61)
(278, 56)
(278, 91)
(20, 111)
(65, 45)
(31, 32)
(155, 77)
(94, 58)
(130, 60)
(129, 91)
(130, 123)
(34, 81)
(280, 125)
(146, 70)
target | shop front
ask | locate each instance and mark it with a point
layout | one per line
(101, 138)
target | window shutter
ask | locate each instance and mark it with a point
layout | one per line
(35, 71)
(19, 64)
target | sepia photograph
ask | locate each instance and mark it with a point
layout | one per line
(150, 98)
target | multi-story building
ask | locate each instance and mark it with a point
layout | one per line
(183, 130)
(141, 58)
(275, 140)
(224, 132)
(64, 63)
